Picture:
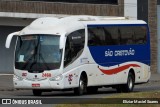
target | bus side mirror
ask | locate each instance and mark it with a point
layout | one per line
(9, 38)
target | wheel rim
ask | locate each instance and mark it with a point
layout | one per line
(81, 85)
(130, 83)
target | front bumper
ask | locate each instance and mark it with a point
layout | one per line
(43, 84)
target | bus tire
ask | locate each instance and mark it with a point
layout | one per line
(130, 83)
(81, 89)
(37, 92)
(92, 90)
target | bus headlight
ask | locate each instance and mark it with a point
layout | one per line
(17, 78)
(57, 78)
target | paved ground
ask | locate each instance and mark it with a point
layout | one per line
(155, 77)
(7, 91)
(6, 81)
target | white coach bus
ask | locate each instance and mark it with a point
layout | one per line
(82, 53)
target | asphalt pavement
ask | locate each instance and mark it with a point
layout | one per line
(6, 81)
(7, 91)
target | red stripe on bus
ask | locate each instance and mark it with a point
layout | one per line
(119, 69)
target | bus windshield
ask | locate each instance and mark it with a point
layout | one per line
(38, 53)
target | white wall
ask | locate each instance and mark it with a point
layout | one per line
(130, 9)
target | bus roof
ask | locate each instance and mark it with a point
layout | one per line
(59, 26)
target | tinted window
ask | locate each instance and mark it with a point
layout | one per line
(133, 35)
(96, 36)
(112, 35)
(74, 46)
(117, 35)
(140, 34)
(127, 35)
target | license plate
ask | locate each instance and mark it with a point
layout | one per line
(35, 85)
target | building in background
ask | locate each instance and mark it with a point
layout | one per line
(16, 14)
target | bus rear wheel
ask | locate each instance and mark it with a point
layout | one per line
(81, 89)
(130, 83)
(128, 87)
(37, 92)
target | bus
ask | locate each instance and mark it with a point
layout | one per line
(81, 53)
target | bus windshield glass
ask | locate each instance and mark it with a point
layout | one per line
(38, 53)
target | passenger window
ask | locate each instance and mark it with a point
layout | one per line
(140, 35)
(101, 36)
(117, 35)
(74, 46)
(112, 35)
(96, 36)
(127, 35)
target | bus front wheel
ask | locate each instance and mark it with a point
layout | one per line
(37, 92)
(82, 85)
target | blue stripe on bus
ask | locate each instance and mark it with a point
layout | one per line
(141, 54)
(142, 51)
